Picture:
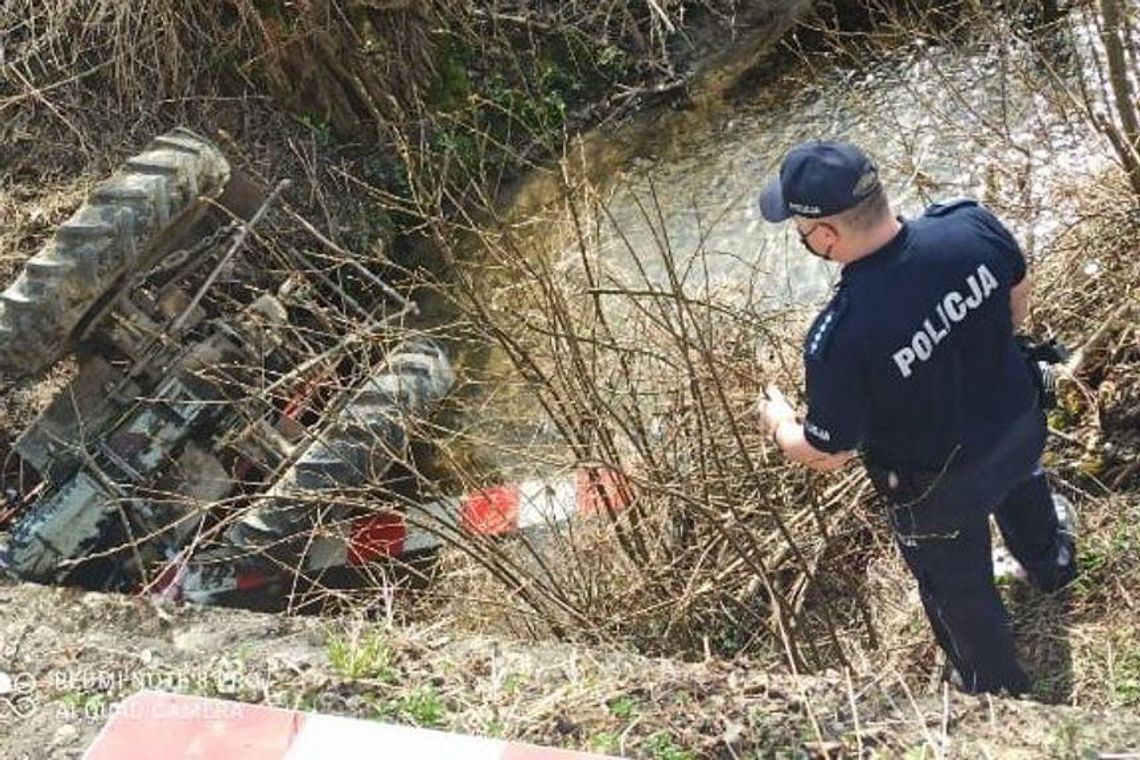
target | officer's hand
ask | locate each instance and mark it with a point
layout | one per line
(775, 409)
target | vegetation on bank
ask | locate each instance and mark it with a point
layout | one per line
(86, 652)
(416, 123)
(466, 82)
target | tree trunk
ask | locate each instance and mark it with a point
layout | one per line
(1127, 144)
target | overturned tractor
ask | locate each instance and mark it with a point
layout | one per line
(189, 449)
(223, 438)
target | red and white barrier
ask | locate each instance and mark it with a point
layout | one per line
(158, 726)
(500, 510)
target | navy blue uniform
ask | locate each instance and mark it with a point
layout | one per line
(914, 363)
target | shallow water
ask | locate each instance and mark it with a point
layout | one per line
(941, 123)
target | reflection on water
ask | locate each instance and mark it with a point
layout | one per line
(941, 123)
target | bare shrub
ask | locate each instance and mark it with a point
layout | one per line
(654, 377)
(727, 549)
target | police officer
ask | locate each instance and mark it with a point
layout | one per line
(913, 365)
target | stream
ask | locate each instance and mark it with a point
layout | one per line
(941, 122)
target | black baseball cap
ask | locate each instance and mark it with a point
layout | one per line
(819, 179)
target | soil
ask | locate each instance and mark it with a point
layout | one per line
(66, 658)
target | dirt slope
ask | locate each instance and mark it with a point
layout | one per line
(68, 656)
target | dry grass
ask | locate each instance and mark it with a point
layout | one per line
(85, 652)
(348, 68)
(1089, 289)
(728, 550)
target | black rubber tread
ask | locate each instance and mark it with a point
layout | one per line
(114, 231)
(367, 436)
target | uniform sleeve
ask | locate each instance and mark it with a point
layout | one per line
(836, 416)
(1011, 257)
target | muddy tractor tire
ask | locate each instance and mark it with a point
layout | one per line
(363, 439)
(129, 221)
(368, 435)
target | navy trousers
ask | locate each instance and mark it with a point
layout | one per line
(941, 524)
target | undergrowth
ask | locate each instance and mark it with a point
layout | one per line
(727, 551)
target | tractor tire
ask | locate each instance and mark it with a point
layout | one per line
(358, 445)
(129, 221)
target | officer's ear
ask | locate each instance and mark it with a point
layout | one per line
(829, 233)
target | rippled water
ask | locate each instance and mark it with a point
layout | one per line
(940, 122)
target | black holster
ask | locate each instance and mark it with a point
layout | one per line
(921, 501)
(1041, 357)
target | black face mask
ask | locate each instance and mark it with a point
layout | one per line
(826, 256)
